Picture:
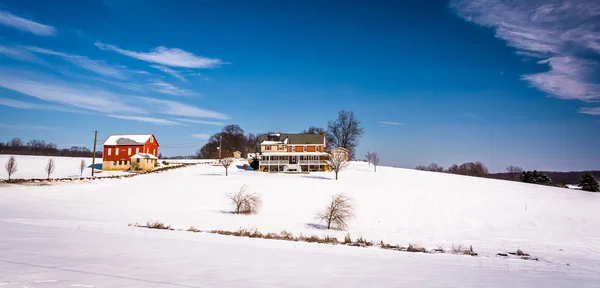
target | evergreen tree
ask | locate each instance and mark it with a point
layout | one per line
(588, 183)
(535, 177)
(255, 164)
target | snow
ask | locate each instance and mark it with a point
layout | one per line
(127, 139)
(32, 167)
(95, 247)
(144, 156)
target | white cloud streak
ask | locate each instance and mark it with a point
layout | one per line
(172, 57)
(25, 126)
(151, 120)
(194, 121)
(390, 123)
(173, 73)
(565, 34)
(11, 20)
(201, 136)
(180, 109)
(68, 94)
(166, 88)
(27, 105)
(590, 111)
(96, 66)
(20, 54)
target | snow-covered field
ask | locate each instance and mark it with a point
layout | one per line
(33, 167)
(77, 234)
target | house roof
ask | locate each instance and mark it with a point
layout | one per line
(144, 156)
(294, 138)
(132, 139)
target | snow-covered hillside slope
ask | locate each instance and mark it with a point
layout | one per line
(33, 167)
(398, 206)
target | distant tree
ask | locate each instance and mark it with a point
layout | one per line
(476, 169)
(15, 142)
(375, 160)
(160, 156)
(313, 130)
(11, 166)
(338, 212)
(337, 162)
(50, 167)
(422, 168)
(82, 167)
(226, 162)
(232, 139)
(535, 177)
(369, 157)
(253, 143)
(345, 131)
(514, 171)
(433, 167)
(588, 183)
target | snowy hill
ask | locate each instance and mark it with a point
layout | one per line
(398, 206)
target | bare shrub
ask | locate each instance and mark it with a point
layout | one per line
(152, 225)
(226, 162)
(347, 239)
(375, 160)
(285, 235)
(82, 167)
(476, 169)
(193, 229)
(433, 167)
(11, 166)
(463, 250)
(50, 167)
(337, 212)
(337, 162)
(244, 202)
(369, 157)
(364, 242)
(416, 248)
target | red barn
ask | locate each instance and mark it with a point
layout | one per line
(118, 150)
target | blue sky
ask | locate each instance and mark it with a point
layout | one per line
(435, 81)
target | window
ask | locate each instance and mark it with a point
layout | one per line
(151, 139)
(137, 150)
(137, 160)
(109, 151)
(120, 162)
(114, 162)
(117, 151)
(129, 151)
(268, 147)
(304, 148)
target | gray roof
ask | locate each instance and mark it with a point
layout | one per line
(295, 138)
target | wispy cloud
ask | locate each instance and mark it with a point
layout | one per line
(563, 33)
(166, 88)
(200, 122)
(20, 54)
(9, 19)
(391, 123)
(201, 136)
(25, 126)
(169, 71)
(96, 66)
(172, 57)
(69, 94)
(27, 105)
(152, 120)
(180, 109)
(590, 111)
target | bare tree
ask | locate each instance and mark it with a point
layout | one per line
(344, 132)
(226, 162)
(515, 172)
(375, 160)
(369, 157)
(244, 202)
(337, 212)
(337, 162)
(433, 167)
(82, 167)
(422, 168)
(50, 167)
(11, 166)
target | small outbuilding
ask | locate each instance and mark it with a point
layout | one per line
(143, 162)
(237, 154)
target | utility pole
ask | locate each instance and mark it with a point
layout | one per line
(220, 140)
(94, 155)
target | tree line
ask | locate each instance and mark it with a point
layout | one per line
(585, 180)
(17, 146)
(344, 131)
